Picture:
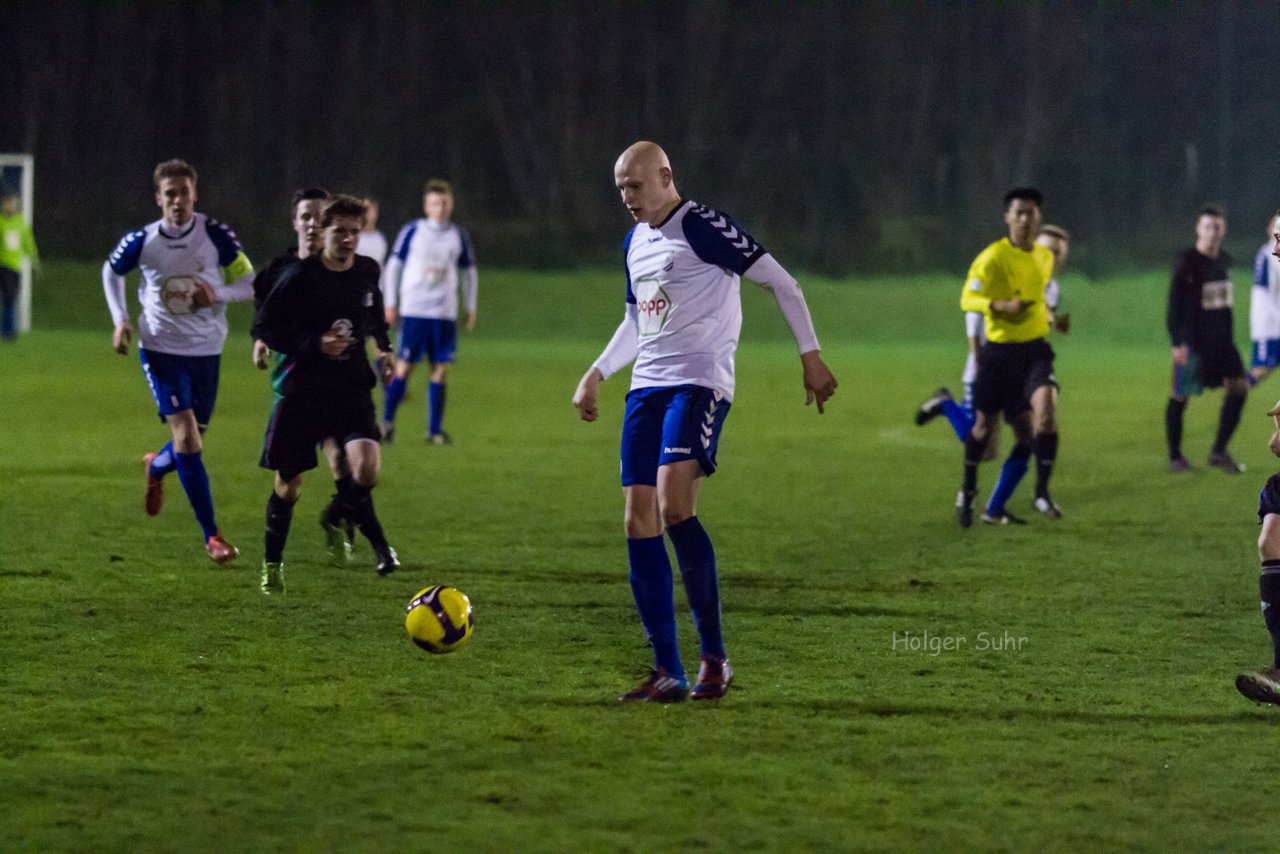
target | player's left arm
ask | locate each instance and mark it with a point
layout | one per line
(819, 383)
(469, 278)
(237, 272)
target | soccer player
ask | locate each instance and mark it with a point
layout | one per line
(430, 259)
(373, 243)
(1006, 282)
(181, 330)
(305, 211)
(1264, 308)
(683, 261)
(1201, 341)
(1057, 241)
(318, 316)
(16, 243)
(1263, 686)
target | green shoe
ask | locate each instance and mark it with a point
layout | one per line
(336, 542)
(272, 578)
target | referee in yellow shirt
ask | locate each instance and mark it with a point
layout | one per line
(1006, 282)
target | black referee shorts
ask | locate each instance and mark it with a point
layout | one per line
(299, 423)
(1009, 373)
(1218, 363)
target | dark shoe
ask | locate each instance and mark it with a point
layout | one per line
(1223, 460)
(659, 687)
(1044, 504)
(1261, 686)
(1178, 464)
(1004, 517)
(388, 562)
(714, 677)
(964, 509)
(932, 407)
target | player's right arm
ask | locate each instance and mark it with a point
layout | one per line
(393, 271)
(618, 353)
(119, 263)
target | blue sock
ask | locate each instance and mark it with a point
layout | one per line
(9, 326)
(195, 480)
(163, 462)
(1010, 476)
(651, 584)
(435, 398)
(394, 394)
(961, 418)
(697, 561)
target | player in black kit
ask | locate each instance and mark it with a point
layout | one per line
(317, 317)
(1201, 340)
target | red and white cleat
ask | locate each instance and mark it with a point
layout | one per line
(714, 677)
(154, 497)
(220, 551)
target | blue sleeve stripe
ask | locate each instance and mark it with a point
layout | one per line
(717, 239)
(626, 268)
(468, 256)
(124, 258)
(401, 249)
(224, 240)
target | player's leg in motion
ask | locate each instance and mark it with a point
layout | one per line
(1264, 686)
(355, 493)
(339, 531)
(1173, 413)
(1011, 473)
(394, 394)
(284, 495)
(975, 446)
(188, 462)
(652, 586)
(1044, 444)
(1235, 390)
(435, 403)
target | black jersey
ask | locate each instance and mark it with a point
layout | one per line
(1200, 299)
(307, 301)
(266, 278)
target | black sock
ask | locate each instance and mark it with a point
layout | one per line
(357, 505)
(1045, 447)
(1173, 426)
(332, 514)
(279, 518)
(973, 451)
(1228, 418)
(1269, 588)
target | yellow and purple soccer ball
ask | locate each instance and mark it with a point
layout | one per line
(439, 619)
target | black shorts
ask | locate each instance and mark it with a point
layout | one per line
(1269, 497)
(1218, 363)
(10, 284)
(299, 423)
(1009, 373)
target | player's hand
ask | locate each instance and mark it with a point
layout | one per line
(584, 398)
(1062, 322)
(1180, 354)
(203, 296)
(469, 322)
(1013, 308)
(334, 344)
(1275, 442)
(121, 337)
(260, 354)
(386, 367)
(392, 315)
(819, 382)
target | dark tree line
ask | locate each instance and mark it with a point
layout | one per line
(850, 136)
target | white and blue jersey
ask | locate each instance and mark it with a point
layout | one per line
(1264, 307)
(170, 264)
(427, 265)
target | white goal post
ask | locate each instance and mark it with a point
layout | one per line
(19, 172)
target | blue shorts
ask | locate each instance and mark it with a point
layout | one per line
(667, 424)
(182, 382)
(1266, 354)
(427, 336)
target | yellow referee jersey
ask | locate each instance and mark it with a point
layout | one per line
(1002, 271)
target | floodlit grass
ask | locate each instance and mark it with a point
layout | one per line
(152, 701)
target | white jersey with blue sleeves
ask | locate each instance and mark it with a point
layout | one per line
(684, 310)
(170, 264)
(1264, 300)
(427, 264)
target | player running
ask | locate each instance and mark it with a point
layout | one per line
(683, 315)
(431, 258)
(318, 316)
(181, 330)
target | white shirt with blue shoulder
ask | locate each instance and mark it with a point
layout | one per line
(684, 309)
(426, 266)
(170, 264)
(1264, 300)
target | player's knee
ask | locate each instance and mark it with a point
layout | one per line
(674, 514)
(289, 490)
(641, 525)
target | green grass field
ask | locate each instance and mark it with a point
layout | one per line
(152, 701)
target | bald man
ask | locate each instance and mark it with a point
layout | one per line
(683, 262)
